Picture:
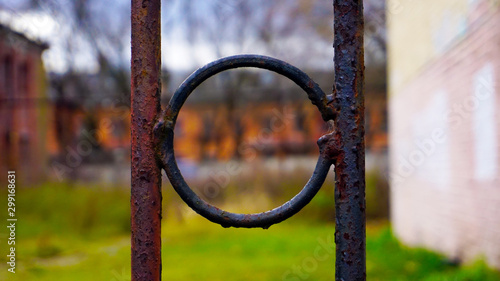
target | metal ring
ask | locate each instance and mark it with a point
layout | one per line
(164, 132)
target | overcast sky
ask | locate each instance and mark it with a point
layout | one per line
(43, 25)
(177, 53)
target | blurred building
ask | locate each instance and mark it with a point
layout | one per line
(22, 105)
(376, 129)
(270, 117)
(248, 115)
(444, 71)
(89, 125)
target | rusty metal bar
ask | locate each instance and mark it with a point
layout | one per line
(146, 175)
(350, 163)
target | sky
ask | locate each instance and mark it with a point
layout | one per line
(178, 54)
(43, 26)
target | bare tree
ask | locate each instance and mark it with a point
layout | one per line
(297, 31)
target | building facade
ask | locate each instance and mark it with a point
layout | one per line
(23, 105)
(269, 120)
(444, 72)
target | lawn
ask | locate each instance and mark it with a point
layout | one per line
(78, 233)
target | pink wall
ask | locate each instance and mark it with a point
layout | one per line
(445, 151)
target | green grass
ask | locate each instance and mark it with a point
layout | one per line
(81, 233)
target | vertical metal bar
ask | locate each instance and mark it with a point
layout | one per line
(350, 165)
(146, 175)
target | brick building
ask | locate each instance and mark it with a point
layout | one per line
(22, 105)
(269, 118)
(48, 135)
(444, 72)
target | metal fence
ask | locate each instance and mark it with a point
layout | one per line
(153, 146)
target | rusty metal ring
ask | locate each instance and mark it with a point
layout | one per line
(164, 134)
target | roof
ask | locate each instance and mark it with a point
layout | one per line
(14, 36)
(267, 86)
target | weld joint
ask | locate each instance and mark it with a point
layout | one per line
(330, 147)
